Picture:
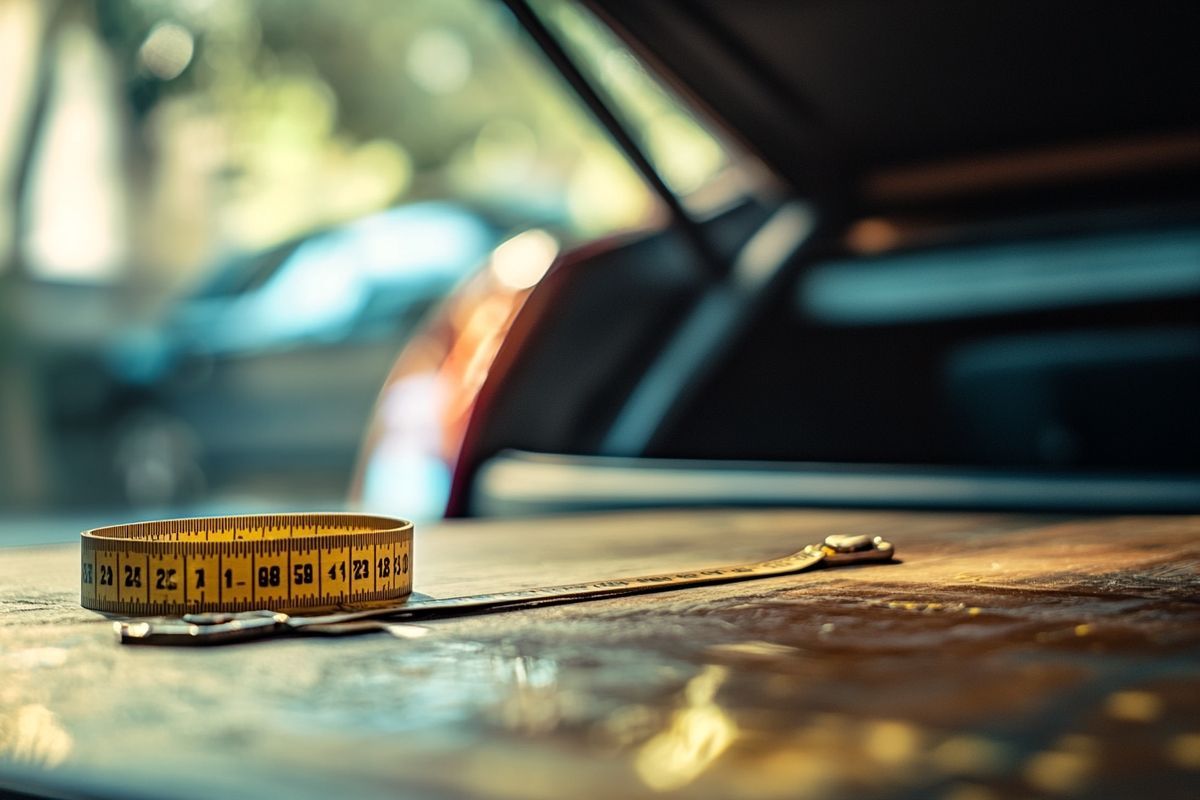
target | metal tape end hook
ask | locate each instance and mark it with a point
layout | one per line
(848, 548)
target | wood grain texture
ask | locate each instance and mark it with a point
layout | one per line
(1003, 656)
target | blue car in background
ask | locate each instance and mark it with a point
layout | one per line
(220, 391)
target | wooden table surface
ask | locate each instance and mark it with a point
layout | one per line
(1004, 656)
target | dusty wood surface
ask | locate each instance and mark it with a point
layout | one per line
(1004, 656)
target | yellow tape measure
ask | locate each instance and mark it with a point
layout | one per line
(287, 562)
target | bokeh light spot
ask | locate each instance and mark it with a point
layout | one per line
(439, 61)
(167, 51)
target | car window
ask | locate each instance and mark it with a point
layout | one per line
(242, 273)
(1074, 350)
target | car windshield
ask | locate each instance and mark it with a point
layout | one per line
(241, 274)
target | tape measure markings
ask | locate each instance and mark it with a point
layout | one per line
(168, 567)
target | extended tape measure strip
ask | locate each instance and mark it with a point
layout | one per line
(288, 562)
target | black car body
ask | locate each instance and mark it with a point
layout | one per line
(971, 279)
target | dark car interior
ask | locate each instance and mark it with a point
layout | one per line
(946, 291)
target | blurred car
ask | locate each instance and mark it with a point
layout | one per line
(974, 283)
(223, 386)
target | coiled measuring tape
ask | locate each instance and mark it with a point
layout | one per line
(285, 562)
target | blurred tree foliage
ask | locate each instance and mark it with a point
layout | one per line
(313, 112)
